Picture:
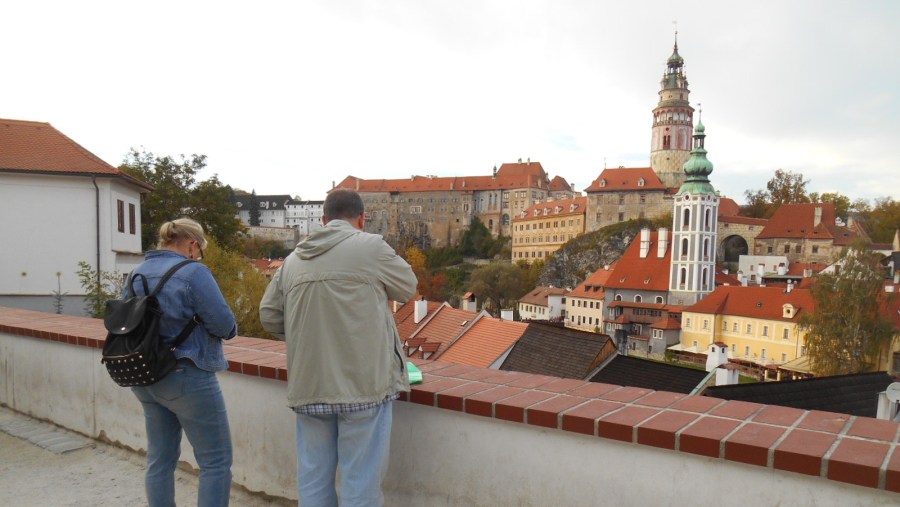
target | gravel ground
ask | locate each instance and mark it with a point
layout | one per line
(91, 474)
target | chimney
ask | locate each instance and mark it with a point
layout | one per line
(495, 171)
(421, 310)
(662, 239)
(717, 356)
(807, 272)
(645, 242)
(790, 286)
(818, 219)
(727, 375)
(782, 270)
(897, 276)
(889, 288)
(506, 314)
(357, 184)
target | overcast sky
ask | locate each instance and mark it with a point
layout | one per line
(286, 97)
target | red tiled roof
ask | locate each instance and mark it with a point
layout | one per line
(592, 287)
(798, 221)
(539, 295)
(723, 278)
(668, 323)
(617, 180)
(797, 268)
(35, 147)
(559, 183)
(517, 175)
(404, 317)
(742, 220)
(560, 208)
(444, 325)
(728, 208)
(484, 342)
(754, 302)
(649, 274)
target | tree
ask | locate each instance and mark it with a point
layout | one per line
(497, 285)
(253, 204)
(841, 202)
(758, 205)
(882, 220)
(531, 273)
(176, 193)
(98, 288)
(787, 187)
(241, 284)
(430, 285)
(847, 332)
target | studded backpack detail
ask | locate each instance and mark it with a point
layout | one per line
(135, 354)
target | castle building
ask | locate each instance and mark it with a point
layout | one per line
(694, 229)
(670, 143)
(543, 228)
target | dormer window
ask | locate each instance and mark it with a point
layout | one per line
(572, 207)
(788, 311)
(602, 182)
(641, 182)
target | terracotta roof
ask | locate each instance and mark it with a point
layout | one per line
(798, 221)
(559, 183)
(484, 342)
(635, 372)
(617, 180)
(539, 295)
(444, 325)
(854, 394)
(647, 274)
(518, 175)
(592, 287)
(404, 317)
(728, 208)
(35, 147)
(562, 207)
(797, 268)
(754, 302)
(558, 352)
(668, 323)
(723, 278)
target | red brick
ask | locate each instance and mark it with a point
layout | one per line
(546, 413)
(250, 369)
(705, 436)
(501, 377)
(699, 404)
(857, 462)
(483, 403)
(620, 425)
(457, 370)
(750, 444)
(661, 399)
(477, 374)
(513, 409)
(563, 385)
(531, 381)
(802, 452)
(454, 398)
(433, 366)
(737, 409)
(234, 366)
(268, 372)
(593, 390)
(892, 476)
(626, 394)
(878, 429)
(282, 374)
(582, 419)
(782, 416)
(660, 431)
(830, 422)
(424, 393)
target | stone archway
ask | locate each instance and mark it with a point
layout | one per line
(731, 249)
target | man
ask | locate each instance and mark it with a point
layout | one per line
(329, 301)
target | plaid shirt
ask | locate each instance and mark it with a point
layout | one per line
(341, 408)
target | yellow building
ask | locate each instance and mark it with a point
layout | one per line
(759, 325)
(541, 229)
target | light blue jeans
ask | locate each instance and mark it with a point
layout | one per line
(187, 398)
(358, 442)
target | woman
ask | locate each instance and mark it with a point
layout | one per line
(189, 397)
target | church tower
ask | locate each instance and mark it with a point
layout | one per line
(694, 229)
(673, 119)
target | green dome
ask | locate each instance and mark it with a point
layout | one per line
(698, 167)
(675, 59)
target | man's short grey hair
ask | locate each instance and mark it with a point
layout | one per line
(343, 204)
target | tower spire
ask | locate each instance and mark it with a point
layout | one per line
(670, 142)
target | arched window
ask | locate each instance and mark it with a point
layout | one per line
(659, 300)
(706, 249)
(686, 222)
(684, 247)
(638, 299)
(708, 220)
(704, 280)
(618, 297)
(683, 277)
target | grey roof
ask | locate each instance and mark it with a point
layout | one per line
(636, 372)
(557, 351)
(854, 394)
(269, 202)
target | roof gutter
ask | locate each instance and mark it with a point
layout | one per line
(97, 225)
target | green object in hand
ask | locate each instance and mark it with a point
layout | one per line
(415, 375)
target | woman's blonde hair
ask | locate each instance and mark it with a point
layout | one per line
(181, 229)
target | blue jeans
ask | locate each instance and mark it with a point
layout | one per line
(358, 442)
(187, 398)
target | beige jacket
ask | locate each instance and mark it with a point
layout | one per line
(329, 302)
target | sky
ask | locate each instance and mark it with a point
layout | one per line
(289, 97)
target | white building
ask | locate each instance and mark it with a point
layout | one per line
(61, 205)
(272, 209)
(543, 303)
(304, 216)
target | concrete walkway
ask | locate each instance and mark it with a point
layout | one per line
(42, 465)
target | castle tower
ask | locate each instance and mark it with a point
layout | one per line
(694, 229)
(673, 119)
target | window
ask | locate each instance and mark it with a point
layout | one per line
(787, 248)
(724, 326)
(120, 208)
(749, 328)
(786, 334)
(746, 351)
(783, 358)
(638, 298)
(765, 330)
(769, 249)
(688, 323)
(621, 217)
(622, 199)
(686, 218)
(659, 299)
(763, 355)
(798, 249)
(132, 221)
(705, 324)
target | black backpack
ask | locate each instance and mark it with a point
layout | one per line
(135, 354)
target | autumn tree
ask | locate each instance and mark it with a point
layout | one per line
(847, 332)
(842, 204)
(241, 284)
(786, 187)
(430, 285)
(880, 221)
(178, 193)
(497, 285)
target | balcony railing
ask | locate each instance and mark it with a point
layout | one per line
(472, 436)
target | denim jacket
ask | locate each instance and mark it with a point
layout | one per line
(192, 290)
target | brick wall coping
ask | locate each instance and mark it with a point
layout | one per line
(839, 447)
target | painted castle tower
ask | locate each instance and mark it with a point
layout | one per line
(694, 229)
(673, 117)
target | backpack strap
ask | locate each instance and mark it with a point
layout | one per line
(165, 277)
(189, 327)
